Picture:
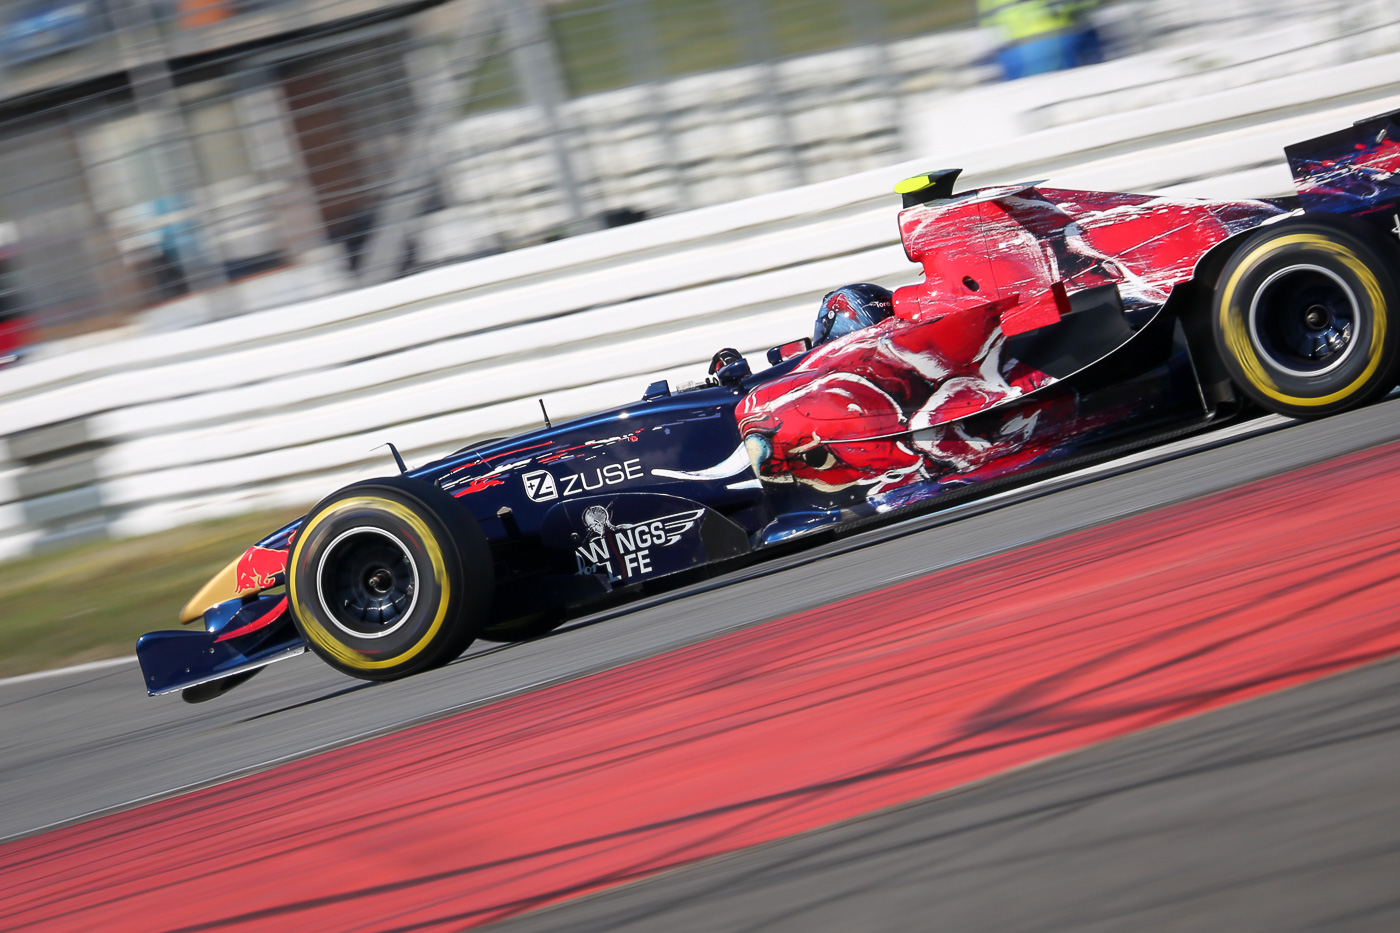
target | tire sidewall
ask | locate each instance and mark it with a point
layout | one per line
(437, 628)
(1348, 254)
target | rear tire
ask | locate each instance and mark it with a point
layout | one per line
(388, 578)
(1305, 317)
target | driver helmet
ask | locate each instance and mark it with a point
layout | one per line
(850, 309)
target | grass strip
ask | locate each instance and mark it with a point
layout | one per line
(92, 601)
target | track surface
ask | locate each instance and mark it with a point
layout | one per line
(1275, 815)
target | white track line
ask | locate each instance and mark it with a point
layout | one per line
(72, 669)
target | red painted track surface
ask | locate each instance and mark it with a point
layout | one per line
(767, 732)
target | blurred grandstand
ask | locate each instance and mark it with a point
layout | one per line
(167, 162)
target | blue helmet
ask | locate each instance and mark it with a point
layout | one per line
(850, 309)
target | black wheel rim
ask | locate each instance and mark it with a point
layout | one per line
(1304, 320)
(367, 582)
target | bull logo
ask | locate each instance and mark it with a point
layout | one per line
(259, 568)
(883, 408)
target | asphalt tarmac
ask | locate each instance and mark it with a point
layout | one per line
(1279, 814)
(81, 744)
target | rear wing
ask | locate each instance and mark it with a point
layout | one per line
(1355, 171)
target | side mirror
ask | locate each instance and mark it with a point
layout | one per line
(734, 373)
(724, 358)
(729, 366)
(789, 350)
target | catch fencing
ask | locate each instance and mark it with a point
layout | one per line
(168, 162)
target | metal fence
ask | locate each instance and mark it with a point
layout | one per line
(166, 162)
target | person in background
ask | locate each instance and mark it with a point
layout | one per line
(1084, 35)
(1038, 36)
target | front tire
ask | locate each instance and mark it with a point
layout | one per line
(1304, 317)
(388, 578)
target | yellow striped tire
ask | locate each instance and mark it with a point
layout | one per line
(1304, 317)
(388, 578)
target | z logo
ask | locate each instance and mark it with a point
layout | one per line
(540, 486)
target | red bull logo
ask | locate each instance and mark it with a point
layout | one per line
(883, 407)
(258, 569)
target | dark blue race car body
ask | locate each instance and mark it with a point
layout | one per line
(1051, 325)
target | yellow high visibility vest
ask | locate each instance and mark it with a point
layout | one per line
(1023, 20)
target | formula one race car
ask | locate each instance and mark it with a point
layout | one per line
(1050, 323)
